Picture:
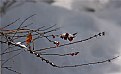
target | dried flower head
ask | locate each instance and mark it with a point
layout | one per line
(64, 36)
(70, 37)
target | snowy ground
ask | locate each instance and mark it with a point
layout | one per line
(73, 16)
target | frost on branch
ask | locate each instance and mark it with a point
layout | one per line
(24, 38)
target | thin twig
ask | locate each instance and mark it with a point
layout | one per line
(22, 24)
(72, 54)
(91, 63)
(48, 28)
(9, 24)
(11, 70)
(10, 51)
(26, 25)
(54, 65)
(95, 36)
(11, 58)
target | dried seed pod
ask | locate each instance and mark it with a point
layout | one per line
(64, 36)
(70, 37)
(57, 43)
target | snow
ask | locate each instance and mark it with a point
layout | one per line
(72, 18)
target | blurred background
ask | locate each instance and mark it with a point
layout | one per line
(87, 17)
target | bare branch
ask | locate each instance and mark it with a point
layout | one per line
(95, 36)
(9, 24)
(54, 65)
(12, 38)
(72, 54)
(22, 24)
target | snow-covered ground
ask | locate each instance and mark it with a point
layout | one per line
(73, 16)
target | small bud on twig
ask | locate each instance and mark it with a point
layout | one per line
(70, 37)
(53, 36)
(64, 36)
(75, 53)
(57, 43)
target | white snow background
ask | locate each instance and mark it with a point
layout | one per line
(72, 17)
